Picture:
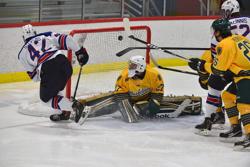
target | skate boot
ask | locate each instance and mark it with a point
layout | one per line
(231, 135)
(81, 112)
(205, 127)
(243, 145)
(218, 120)
(65, 115)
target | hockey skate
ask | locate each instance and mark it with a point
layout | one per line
(81, 112)
(218, 119)
(204, 128)
(231, 135)
(243, 145)
(65, 115)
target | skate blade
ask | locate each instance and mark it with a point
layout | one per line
(203, 132)
(230, 140)
(218, 126)
(241, 149)
(86, 110)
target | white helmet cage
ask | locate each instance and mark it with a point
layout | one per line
(137, 64)
(28, 31)
(229, 7)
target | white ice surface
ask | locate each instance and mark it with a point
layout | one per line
(107, 141)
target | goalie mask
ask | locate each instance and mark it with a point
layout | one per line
(136, 65)
(229, 7)
(28, 31)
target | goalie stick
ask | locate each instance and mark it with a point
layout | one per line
(124, 51)
(131, 36)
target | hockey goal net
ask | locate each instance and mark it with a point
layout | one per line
(102, 45)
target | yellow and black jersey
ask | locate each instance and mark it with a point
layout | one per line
(140, 89)
(207, 56)
(232, 54)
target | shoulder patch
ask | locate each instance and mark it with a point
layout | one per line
(219, 50)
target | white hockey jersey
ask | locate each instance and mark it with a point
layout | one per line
(239, 25)
(41, 48)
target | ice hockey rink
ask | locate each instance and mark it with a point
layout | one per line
(107, 141)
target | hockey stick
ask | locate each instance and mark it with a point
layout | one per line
(121, 53)
(156, 47)
(80, 42)
(170, 69)
(77, 83)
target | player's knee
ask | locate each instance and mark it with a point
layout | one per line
(45, 98)
(228, 99)
(216, 82)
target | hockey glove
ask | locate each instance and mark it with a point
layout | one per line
(82, 56)
(197, 64)
(228, 76)
(203, 80)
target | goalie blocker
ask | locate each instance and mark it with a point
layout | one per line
(170, 107)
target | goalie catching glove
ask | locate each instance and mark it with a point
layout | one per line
(82, 56)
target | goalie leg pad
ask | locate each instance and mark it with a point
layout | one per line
(104, 107)
(128, 113)
(192, 107)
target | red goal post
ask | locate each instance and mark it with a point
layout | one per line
(108, 38)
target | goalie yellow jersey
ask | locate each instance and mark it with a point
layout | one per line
(233, 54)
(140, 89)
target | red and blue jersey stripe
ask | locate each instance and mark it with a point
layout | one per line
(214, 100)
(62, 42)
(55, 102)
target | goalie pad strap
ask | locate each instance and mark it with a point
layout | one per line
(121, 96)
(157, 96)
(128, 113)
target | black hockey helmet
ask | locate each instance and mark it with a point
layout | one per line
(223, 26)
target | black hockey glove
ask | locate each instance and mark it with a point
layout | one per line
(197, 64)
(82, 56)
(228, 76)
(203, 80)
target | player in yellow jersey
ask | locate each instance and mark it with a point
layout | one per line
(138, 95)
(215, 84)
(233, 57)
(139, 82)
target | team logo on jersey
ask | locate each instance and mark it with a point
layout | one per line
(219, 50)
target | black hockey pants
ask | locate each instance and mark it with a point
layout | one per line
(54, 76)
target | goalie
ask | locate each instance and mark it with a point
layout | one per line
(139, 94)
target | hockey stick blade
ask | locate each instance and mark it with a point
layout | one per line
(123, 52)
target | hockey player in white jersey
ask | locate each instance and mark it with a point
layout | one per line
(239, 25)
(42, 58)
